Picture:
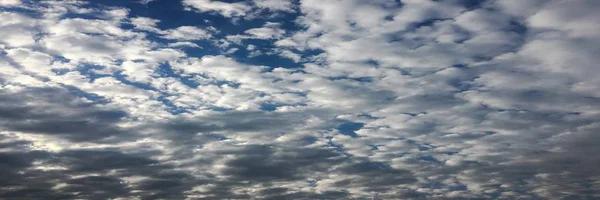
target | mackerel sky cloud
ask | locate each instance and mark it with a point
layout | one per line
(299, 99)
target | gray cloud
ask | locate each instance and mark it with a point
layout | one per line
(55, 111)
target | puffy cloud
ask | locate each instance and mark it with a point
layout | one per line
(269, 31)
(577, 18)
(179, 33)
(275, 5)
(223, 8)
(187, 33)
(145, 23)
(17, 30)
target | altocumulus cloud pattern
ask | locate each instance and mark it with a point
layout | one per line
(299, 99)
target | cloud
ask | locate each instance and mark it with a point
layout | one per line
(184, 44)
(269, 31)
(146, 1)
(10, 3)
(179, 33)
(18, 31)
(144, 23)
(275, 5)
(187, 33)
(223, 8)
(347, 100)
(72, 118)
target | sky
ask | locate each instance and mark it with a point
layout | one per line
(299, 99)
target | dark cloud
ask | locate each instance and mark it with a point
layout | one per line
(55, 111)
(263, 163)
(89, 175)
(374, 175)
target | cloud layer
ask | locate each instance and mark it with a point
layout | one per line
(207, 99)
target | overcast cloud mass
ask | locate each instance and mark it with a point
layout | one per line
(300, 99)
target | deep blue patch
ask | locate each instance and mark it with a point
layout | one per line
(459, 66)
(271, 61)
(27, 12)
(268, 106)
(165, 70)
(172, 108)
(61, 71)
(348, 128)
(518, 27)
(123, 78)
(424, 23)
(358, 79)
(489, 132)
(430, 159)
(469, 4)
(461, 85)
(413, 114)
(309, 139)
(89, 70)
(374, 147)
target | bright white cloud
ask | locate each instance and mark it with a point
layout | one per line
(187, 33)
(269, 31)
(144, 23)
(10, 3)
(16, 29)
(223, 8)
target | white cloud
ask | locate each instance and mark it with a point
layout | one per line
(577, 19)
(275, 5)
(17, 30)
(269, 31)
(144, 23)
(223, 8)
(146, 1)
(179, 33)
(184, 44)
(187, 33)
(291, 55)
(10, 3)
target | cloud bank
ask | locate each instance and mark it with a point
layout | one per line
(207, 99)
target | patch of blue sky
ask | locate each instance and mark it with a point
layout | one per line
(165, 70)
(270, 106)
(349, 128)
(176, 16)
(91, 71)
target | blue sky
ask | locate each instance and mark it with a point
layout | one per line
(299, 99)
